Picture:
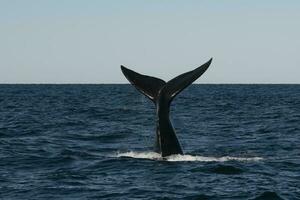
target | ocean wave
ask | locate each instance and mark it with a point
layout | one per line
(268, 195)
(184, 158)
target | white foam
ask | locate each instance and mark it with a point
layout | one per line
(181, 158)
(143, 155)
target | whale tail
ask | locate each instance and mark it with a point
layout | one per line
(151, 86)
(161, 93)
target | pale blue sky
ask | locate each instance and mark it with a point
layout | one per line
(72, 41)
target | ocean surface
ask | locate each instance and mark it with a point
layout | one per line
(96, 142)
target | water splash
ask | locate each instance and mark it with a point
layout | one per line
(182, 158)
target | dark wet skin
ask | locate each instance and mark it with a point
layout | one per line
(162, 94)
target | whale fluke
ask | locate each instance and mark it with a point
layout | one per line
(161, 94)
(179, 83)
(147, 85)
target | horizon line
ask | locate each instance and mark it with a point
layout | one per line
(73, 83)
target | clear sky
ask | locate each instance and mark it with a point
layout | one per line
(72, 41)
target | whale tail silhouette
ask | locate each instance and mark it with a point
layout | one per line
(151, 86)
(162, 93)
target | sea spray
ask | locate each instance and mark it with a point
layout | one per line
(184, 158)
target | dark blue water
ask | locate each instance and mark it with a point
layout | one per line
(95, 142)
